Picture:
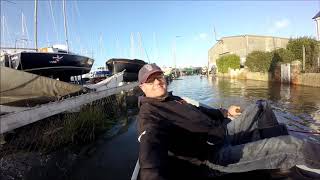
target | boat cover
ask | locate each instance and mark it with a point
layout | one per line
(19, 88)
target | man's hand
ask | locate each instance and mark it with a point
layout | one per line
(233, 111)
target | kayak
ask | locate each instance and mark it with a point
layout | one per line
(185, 170)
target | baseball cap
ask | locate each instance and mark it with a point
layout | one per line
(146, 71)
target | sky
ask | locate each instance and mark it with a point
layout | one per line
(168, 33)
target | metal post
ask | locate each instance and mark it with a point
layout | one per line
(303, 57)
(175, 53)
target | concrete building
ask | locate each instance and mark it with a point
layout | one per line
(317, 19)
(242, 45)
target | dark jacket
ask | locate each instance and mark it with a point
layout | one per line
(176, 126)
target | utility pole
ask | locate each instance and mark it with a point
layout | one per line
(175, 50)
(175, 55)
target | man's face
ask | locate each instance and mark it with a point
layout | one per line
(155, 86)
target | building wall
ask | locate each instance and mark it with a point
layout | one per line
(317, 20)
(296, 77)
(243, 45)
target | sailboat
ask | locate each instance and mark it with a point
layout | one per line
(55, 62)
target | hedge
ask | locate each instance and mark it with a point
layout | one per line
(312, 51)
(283, 55)
(259, 61)
(228, 61)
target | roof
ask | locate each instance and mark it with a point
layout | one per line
(317, 15)
(251, 35)
(244, 35)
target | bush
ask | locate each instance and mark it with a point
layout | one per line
(312, 50)
(283, 55)
(228, 61)
(258, 61)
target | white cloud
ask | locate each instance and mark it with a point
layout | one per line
(201, 36)
(282, 24)
(279, 25)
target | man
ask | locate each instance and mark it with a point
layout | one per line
(168, 126)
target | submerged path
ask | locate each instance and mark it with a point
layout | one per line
(113, 159)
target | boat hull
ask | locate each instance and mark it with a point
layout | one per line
(55, 65)
(131, 68)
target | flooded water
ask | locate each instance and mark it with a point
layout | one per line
(116, 158)
(301, 101)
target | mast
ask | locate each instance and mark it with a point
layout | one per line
(65, 23)
(22, 22)
(36, 24)
(155, 46)
(24, 29)
(100, 45)
(142, 49)
(140, 46)
(54, 22)
(2, 32)
(132, 46)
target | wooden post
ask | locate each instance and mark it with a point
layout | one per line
(303, 58)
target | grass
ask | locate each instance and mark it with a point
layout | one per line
(67, 129)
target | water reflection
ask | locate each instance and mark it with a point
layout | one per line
(302, 101)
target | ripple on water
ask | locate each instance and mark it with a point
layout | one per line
(302, 102)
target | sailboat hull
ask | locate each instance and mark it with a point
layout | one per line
(56, 65)
(131, 67)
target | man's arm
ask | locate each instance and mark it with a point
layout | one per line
(153, 153)
(214, 114)
(231, 113)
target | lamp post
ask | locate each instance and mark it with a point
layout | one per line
(174, 54)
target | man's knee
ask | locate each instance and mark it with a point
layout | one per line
(274, 131)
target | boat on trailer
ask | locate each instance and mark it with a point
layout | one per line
(50, 62)
(130, 66)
